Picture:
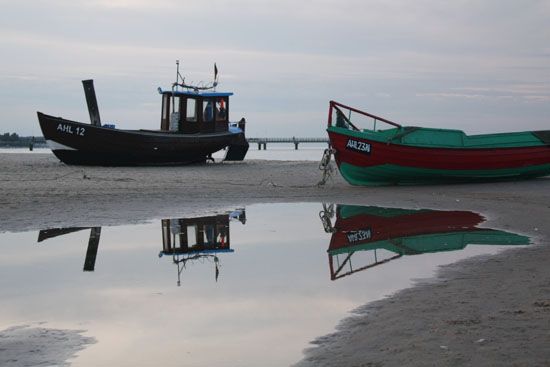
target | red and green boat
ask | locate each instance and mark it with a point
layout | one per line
(415, 155)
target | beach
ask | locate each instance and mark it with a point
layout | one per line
(482, 311)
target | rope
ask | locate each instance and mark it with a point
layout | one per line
(325, 166)
(326, 215)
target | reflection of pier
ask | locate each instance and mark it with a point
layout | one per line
(201, 238)
(385, 234)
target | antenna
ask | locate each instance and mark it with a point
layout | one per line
(196, 88)
(215, 84)
(177, 73)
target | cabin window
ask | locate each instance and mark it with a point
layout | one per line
(191, 114)
(192, 235)
(223, 235)
(166, 240)
(209, 233)
(176, 105)
(165, 112)
(221, 109)
(208, 110)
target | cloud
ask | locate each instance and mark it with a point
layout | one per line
(522, 92)
(278, 56)
(139, 5)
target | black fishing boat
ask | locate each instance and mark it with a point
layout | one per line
(194, 124)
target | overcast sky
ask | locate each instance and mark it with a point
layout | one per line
(480, 66)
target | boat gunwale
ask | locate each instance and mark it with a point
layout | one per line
(370, 135)
(141, 132)
(390, 242)
(466, 141)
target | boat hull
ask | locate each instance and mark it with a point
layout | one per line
(369, 162)
(84, 144)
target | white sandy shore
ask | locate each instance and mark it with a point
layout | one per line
(482, 311)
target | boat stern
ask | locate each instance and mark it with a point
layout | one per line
(237, 149)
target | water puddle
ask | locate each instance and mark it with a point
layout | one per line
(248, 287)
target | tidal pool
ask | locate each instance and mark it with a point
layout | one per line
(251, 287)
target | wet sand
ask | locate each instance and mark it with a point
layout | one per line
(482, 311)
(34, 345)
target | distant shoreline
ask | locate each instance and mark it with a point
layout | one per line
(13, 140)
(22, 145)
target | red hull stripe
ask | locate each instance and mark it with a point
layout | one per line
(421, 223)
(438, 158)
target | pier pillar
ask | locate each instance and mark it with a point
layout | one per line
(295, 146)
(259, 146)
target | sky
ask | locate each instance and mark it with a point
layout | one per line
(478, 66)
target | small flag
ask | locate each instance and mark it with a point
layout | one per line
(215, 72)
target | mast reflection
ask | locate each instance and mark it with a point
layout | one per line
(93, 242)
(387, 234)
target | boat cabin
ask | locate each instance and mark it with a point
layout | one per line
(190, 112)
(195, 235)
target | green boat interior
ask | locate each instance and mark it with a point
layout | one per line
(434, 137)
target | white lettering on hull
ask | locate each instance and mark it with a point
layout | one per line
(68, 129)
(358, 146)
(360, 235)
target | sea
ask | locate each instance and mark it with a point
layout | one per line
(274, 151)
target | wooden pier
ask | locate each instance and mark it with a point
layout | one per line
(294, 140)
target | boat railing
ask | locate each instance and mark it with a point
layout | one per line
(343, 268)
(336, 106)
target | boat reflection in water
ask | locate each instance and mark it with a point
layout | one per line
(203, 238)
(390, 233)
(184, 239)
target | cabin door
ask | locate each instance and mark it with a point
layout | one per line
(208, 116)
(190, 124)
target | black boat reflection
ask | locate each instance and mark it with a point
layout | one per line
(390, 233)
(184, 239)
(203, 238)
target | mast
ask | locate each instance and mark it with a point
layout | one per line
(91, 100)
